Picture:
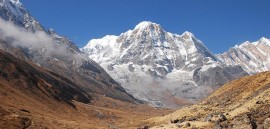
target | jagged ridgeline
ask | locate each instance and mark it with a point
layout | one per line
(159, 67)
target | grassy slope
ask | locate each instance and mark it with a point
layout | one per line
(237, 100)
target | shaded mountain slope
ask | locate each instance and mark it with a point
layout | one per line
(35, 80)
(242, 103)
(29, 41)
(33, 97)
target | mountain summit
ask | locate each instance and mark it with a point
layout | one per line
(158, 66)
(146, 24)
(149, 42)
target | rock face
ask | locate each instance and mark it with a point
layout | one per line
(151, 63)
(252, 57)
(29, 41)
(217, 76)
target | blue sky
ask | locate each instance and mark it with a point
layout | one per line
(220, 24)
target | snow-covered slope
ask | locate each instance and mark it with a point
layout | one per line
(149, 45)
(253, 57)
(155, 65)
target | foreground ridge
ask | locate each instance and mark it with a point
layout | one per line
(242, 103)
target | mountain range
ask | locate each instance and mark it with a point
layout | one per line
(157, 66)
(46, 81)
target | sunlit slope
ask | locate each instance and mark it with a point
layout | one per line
(243, 103)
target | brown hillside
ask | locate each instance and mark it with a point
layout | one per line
(35, 98)
(240, 104)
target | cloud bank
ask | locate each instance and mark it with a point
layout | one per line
(39, 40)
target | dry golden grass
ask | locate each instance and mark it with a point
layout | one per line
(248, 95)
(33, 98)
(102, 112)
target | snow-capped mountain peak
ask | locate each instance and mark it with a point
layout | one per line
(14, 5)
(246, 43)
(140, 57)
(187, 35)
(149, 41)
(105, 41)
(265, 41)
(145, 24)
(147, 27)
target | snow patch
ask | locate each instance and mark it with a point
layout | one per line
(206, 67)
(187, 34)
(143, 25)
(265, 41)
(16, 2)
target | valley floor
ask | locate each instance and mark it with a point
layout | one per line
(243, 103)
(18, 111)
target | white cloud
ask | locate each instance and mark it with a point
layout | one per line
(35, 41)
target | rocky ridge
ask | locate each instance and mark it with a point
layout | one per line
(253, 57)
